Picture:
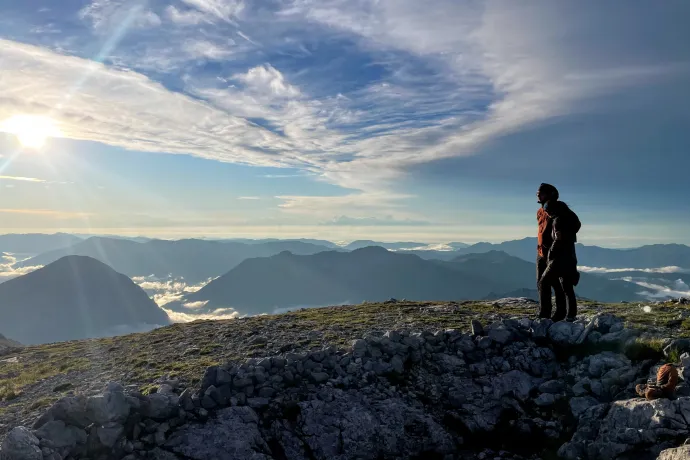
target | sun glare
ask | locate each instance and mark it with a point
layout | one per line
(31, 131)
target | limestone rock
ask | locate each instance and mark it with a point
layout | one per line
(477, 328)
(349, 427)
(20, 444)
(501, 334)
(565, 333)
(111, 406)
(579, 405)
(540, 328)
(680, 453)
(61, 435)
(232, 435)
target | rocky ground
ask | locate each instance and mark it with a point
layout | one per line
(336, 386)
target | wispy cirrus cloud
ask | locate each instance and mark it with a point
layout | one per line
(47, 212)
(23, 179)
(34, 180)
(357, 93)
(375, 221)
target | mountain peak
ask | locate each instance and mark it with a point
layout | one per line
(74, 297)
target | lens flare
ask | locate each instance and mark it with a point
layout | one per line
(32, 131)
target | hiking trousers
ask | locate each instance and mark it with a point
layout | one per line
(549, 278)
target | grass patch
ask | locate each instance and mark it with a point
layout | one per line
(645, 348)
(22, 374)
(43, 403)
(673, 356)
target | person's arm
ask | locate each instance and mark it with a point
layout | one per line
(557, 245)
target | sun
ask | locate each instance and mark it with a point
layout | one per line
(31, 131)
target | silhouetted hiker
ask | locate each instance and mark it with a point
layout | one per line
(665, 386)
(556, 258)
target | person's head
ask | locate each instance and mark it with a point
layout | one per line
(546, 192)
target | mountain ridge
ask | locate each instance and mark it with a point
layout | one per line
(71, 298)
(262, 285)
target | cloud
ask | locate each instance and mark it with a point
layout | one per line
(657, 291)
(374, 221)
(165, 291)
(670, 269)
(185, 17)
(108, 15)
(194, 305)
(357, 204)
(224, 10)
(47, 212)
(205, 49)
(184, 317)
(7, 269)
(34, 180)
(248, 198)
(389, 85)
(23, 179)
(266, 79)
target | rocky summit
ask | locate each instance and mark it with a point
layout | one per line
(507, 388)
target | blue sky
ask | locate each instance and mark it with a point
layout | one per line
(345, 119)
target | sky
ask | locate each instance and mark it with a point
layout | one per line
(344, 119)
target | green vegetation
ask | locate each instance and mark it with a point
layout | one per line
(52, 360)
(645, 348)
(183, 351)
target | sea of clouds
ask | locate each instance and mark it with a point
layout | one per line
(172, 289)
(9, 271)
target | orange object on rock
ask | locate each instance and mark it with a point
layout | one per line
(666, 382)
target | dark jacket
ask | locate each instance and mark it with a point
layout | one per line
(564, 227)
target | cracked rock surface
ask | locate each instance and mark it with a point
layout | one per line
(507, 389)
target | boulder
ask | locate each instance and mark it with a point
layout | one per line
(61, 435)
(618, 337)
(604, 323)
(20, 444)
(111, 406)
(348, 426)
(159, 406)
(501, 334)
(109, 434)
(516, 383)
(603, 362)
(630, 428)
(564, 333)
(70, 409)
(679, 453)
(233, 434)
(545, 399)
(552, 386)
(580, 404)
(477, 328)
(540, 328)
(678, 346)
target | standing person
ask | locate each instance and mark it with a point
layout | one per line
(556, 258)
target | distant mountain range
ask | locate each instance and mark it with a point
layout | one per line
(650, 256)
(195, 260)
(74, 298)
(283, 281)
(164, 255)
(35, 243)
